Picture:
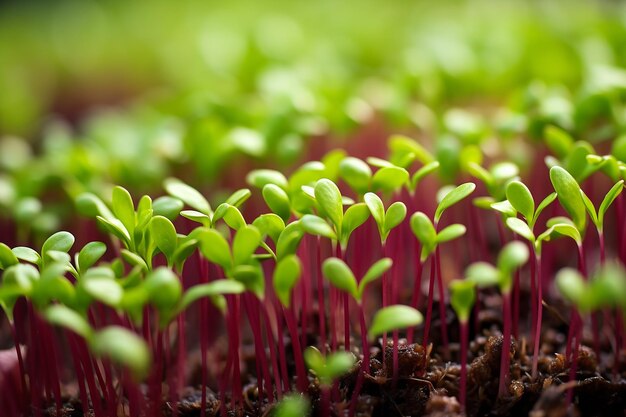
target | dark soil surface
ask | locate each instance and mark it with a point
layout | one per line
(428, 384)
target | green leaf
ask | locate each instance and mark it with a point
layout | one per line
(504, 207)
(183, 251)
(60, 315)
(591, 210)
(89, 255)
(164, 235)
(123, 347)
(197, 217)
(261, 177)
(328, 197)
(215, 248)
(376, 207)
(270, 225)
(252, 277)
(390, 178)
(396, 213)
(188, 195)
(124, 208)
(373, 273)
(327, 370)
(277, 200)
(453, 197)
(568, 192)
(544, 203)
(518, 226)
(90, 205)
(60, 241)
(247, 240)
(105, 290)
(289, 239)
(462, 298)
(314, 359)
(26, 254)
(239, 197)
(116, 228)
(558, 140)
(231, 215)
(164, 288)
(212, 289)
(286, 275)
(421, 173)
(354, 217)
(293, 405)
(401, 145)
(340, 276)
(7, 257)
(512, 256)
(337, 364)
(521, 199)
(483, 274)
(134, 259)
(480, 173)
(425, 232)
(168, 207)
(356, 173)
(451, 232)
(571, 285)
(392, 318)
(568, 230)
(608, 199)
(317, 226)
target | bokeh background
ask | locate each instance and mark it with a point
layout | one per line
(95, 93)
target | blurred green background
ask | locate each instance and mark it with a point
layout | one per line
(129, 92)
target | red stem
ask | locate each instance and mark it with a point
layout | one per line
(464, 340)
(537, 324)
(442, 307)
(302, 381)
(505, 358)
(429, 309)
(417, 288)
(321, 312)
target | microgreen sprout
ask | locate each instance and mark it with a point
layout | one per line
(511, 257)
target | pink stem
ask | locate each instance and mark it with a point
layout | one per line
(537, 324)
(505, 359)
(429, 309)
(463, 388)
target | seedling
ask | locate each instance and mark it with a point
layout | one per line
(512, 257)
(327, 369)
(426, 232)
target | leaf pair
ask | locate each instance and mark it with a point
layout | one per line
(238, 264)
(425, 231)
(339, 274)
(330, 367)
(605, 289)
(358, 175)
(385, 220)
(330, 203)
(512, 256)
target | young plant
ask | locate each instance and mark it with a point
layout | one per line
(339, 274)
(521, 200)
(430, 238)
(511, 257)
(327, 369)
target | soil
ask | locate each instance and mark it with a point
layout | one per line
(428, 384)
